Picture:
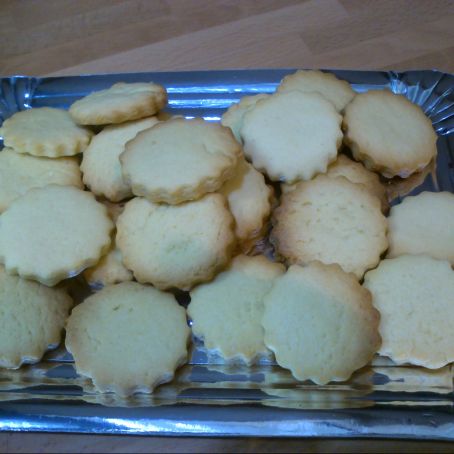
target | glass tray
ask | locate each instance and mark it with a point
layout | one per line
(208, 397)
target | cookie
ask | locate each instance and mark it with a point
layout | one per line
(249, 199)
(180, 160)
(32, 318)
(110, 269)
(53, 233)
(101, 164)
(415, 297)
(45, 131)
(332, 220)
(233, 116)
(176, 245)
(423, 224)
(389, 133)
(21, 172)
(356, 173)
(320, 323)
(294, 146)
(119, 103)
(338, 92)
(128, 338)
(226, 312)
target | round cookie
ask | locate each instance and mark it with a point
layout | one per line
(415, 297)
(20, 172)
(423, 224)
(176, 245)
(227, 312)
(249, 199)
(320, 323)
(128, 338)
(233, 116)
(52, 233)
(32, 317)
(45, 131)
(180, 160)
(389, 133)
(294, 146)
(338, 92)
(100, 163)
(332, 220)
(119, 103)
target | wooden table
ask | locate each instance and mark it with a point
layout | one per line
(96, 36)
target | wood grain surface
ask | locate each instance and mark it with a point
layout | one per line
(53, 37)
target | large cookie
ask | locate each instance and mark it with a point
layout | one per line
(332, 220)
(53, 233)
(415, 297)
(45, 131)
(176, 245)
(128, 338)
(180, 160)
(320, 323)
(226, 312)
(292, 136)
(389, 134)
(119, 103)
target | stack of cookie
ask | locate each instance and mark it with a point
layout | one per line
(190, 200)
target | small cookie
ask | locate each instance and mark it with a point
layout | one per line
(423, 224)
(53, 233)
(21, 172)
(110, 269)
(180, 160)
(32, 317)
(101, 164)
(332, 220)
(227, 312)
(128, 338)
(233, 116)
(45, 131)
(119, 103)
(356, 173)
(320, 323)
(415, 297)
(294, 146)
(176, 245)
(338, 92)
(249, 200)
(389, 133)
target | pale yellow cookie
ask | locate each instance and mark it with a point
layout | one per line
(332, 220)
(233, 116)
(415, 297)
(296, 145)
(338, 92)
(21, 172)
(53, 233)
(180, 160)
(32, 317)
(176, 245)
(128, 338)
(356, 173)
(249, 200)
(389, 133)
(101, 164)
(320, 323)
(119, 103)
(45, 131)
(226, 312)
(423, 224)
